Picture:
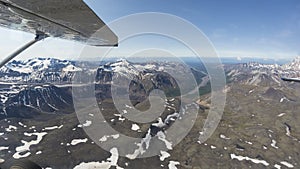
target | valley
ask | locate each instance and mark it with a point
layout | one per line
(259, 127)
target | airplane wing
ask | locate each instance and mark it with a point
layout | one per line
(66, 19)
(290, 79)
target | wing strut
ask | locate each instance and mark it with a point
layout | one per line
(39, 36)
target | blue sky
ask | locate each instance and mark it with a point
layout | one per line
(248, 28)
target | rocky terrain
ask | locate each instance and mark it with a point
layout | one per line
(39, 70)
(29, 101)
(259, 127)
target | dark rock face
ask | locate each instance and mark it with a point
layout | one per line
(142, 81)
(103, 75)
(35, 100)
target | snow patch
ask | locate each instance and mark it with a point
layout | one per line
(140, 150)
(110, 162)
(288, 165)
(78, 141)
(11, 128)
(256, 161)
(135, 127)
(87, 123)
(4, 148)
(105, 138)
(161, 136)
(222, 136)
(273, 144)
(164, 155)
(213, 147)
(288, 132)
(2, 160)
(52, 128)
(26, 146)
(277, 166)
(281, 114)
(172, 164)
(22, 125)
(248, 142)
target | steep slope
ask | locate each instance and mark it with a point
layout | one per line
(145, 77)
(255, 74)
(36, 99)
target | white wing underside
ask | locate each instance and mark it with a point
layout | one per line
(66, 19)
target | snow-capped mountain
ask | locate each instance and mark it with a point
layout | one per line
(25, 92)
(123, 67)
(254, 73)
(131, 70)
(259, 127)
(144, 77)
(294, 65)
(38, 70)
(26, 101)
(25, 83)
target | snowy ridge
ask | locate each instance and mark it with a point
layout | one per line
(38, 70)
(141, 71)
(36, 64)
(254, 73)
(294, 65)
(125, 68)
(28, 100)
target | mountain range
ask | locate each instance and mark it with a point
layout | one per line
(263, 74)
(45, 84)
(259, 127)
(26, 83)
(38, 70)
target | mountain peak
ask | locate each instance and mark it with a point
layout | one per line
(121, 62)
(294, 65)
(38, 70)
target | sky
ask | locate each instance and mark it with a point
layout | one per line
(248, 28)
